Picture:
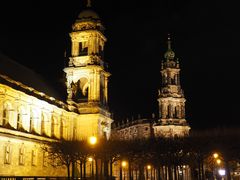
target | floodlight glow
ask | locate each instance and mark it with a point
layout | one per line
(215, 155)
(222, 172)
(93, 140)
(124, 163)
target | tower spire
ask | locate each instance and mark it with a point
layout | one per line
(171, 99)
(169, 53)
(169, 42)
(89, 3)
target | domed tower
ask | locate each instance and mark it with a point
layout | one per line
(87, 75)
(171, 99)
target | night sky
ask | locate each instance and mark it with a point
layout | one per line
(205, 38)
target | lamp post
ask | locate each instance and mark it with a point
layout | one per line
(149, 167)
(219, 163)
(222, 173)
(123, 164)
(92, 140)
(90, 159)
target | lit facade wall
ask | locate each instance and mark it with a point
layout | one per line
(22, 155)
(22, 112)
(137, 129)
(26, 122)
(171, 99)
(87, 76)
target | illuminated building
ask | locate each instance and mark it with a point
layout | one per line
(31, 113)
(29, 117)
(171, 99)
(87, 76)
(135, 129)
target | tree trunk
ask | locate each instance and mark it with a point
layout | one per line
(228, 171)
(111, 163)
(158, 173)
(129, 171)
(68, 171)
(141, 172)
(105, 170)
(73, 170)
(80, 169)
(84, 169)
(202, 170)
(96, 168)
(120, 172)
(101, 169)
(170, 176)
(199, 170)
(175, 172)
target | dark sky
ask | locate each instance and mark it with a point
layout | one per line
(205, 37)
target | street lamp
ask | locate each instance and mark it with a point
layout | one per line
(90, 159)
(149, 167)
(92, 140)
(215, 155)
(124, 164)
(218, 161)
(222, 172)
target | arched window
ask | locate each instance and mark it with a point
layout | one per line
(20, 118)
(34, 157)
(83, 48)
(7, 110)
(175, 112)
(19, 121)
(5, 117)
(169, 115)
(7, 156)
(21, 155)
(34, 121)
(31, 126)
(54, 124)
(62, 124)
(43, 124)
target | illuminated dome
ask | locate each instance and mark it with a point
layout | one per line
(88, 14)
(169, 54)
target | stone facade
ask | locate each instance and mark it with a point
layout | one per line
(87, 75)
(171, 99)
(26, 123)
(30, 117)
(136, 129)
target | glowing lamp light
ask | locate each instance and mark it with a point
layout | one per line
(124, 163)
(148, 166)
(92, 140)
(215, 155)
(218, 161)
(222, 172)
(90, 159)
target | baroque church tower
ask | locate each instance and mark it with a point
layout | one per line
(171, 99)
(87, 75)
